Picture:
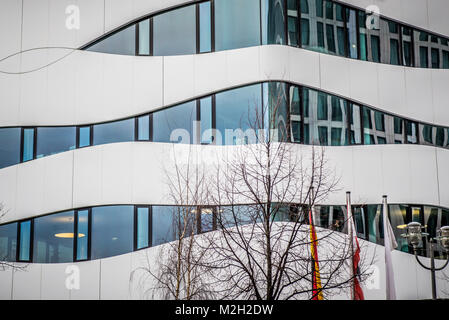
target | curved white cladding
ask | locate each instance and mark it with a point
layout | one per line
(32, 24)
(87, 87)
(426, 14)
(134, 173)
(43, 21)
(111, 278)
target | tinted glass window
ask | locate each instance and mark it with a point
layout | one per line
(84, 136)
(143, 223)
(8, 242)
(25, 241)
(122, 42)
(174, 32)
(144, 37)
(295, 114)
(206, 120)
(292, 12)
(143, 128)
(175, 124)
(55, 140)
(275, 100)
(273, 22)
(82, 248)
(112, 231)
(53, 238)
(118, 131)
(323, 32)
(9, 146)
(237, 24)
(163, 224)
(236, 112)
(28, 144)
(205, 27)
(356, 131)
(351, 16)
(326, 118)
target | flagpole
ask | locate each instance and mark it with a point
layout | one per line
(389, 244)
(351, 242)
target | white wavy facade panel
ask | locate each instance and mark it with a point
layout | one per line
(87, 87)
(135, 173)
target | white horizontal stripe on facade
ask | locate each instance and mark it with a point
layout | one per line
(87, 87)
(134, 173)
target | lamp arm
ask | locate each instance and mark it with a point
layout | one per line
(420, 263)
(445, 265)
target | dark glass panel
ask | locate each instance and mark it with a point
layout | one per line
(322, 126)
(8, 242)
(356, 131)
(122, 42)
(445, 59)
(351, 17)
(440, 137)
(394, 52)
(273, 22)
(163, 224)
(399, 219)
(427, 133)
(292, 13)
(375, 224)
(412, 132)
(330, 38)
(424, 58)
(237, 24)
(275, 99)
(375, 48)
(112, 231)
(118, 131)
(435, 53)
(236, 110)
(304, 6)
(55, 140)
(175, 124)
(305, 32)
(9, 146)
(174, 32)
(53, 238)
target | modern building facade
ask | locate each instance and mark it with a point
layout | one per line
(91, 91)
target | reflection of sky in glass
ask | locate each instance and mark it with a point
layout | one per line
(112, 231)
(48, 244)
(55, 140)
(9, 146)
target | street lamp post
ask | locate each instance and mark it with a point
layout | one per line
(414, 236)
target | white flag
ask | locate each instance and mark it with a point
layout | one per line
(390, 245)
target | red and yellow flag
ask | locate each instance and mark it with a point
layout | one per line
(317, 293)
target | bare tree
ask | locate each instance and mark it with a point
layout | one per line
(3, 263)
(262, 195)
(263, 248)
(178, 272)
